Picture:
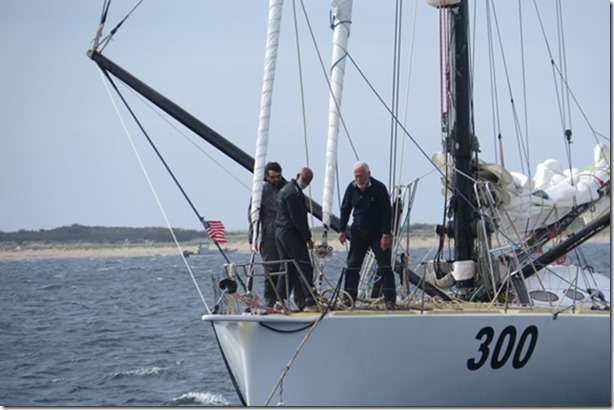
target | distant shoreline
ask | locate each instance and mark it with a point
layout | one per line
(86, 250)
(92, 250)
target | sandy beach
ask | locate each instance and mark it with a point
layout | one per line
(58, 251)
(83, 251)
(55, 251)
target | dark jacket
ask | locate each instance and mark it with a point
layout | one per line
(292, 211)
(372, 209)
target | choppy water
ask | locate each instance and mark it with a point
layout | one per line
(118, 332)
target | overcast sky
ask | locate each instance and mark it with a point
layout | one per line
(65, 158)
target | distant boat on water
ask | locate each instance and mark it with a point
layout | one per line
(204, 249)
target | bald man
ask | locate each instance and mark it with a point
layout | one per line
(293, 239)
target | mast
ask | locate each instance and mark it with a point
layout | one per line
(266, 99)
(461, 144)
(341, 15)
(459, 139)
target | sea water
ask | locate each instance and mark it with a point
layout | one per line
(122, 331)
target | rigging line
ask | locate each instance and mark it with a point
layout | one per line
(105, 41)
(324, 71)
(105, 10)
(396, 61)
(562, 78)
(153, 190)
(303, 106)
(522, 149)
(339, 197)
(381, 100)
(524, 83)
(328, 83)
(565, 93)
(161, 158)
(378, 96)
(563, 61)
(301, 83)
(560, 95)
(556, 69)
(493, 82)
(409, 70)
(577, 103)
(494, 92)
(299, 348)
(396, 194)
(103, 19)
(153, 109)
(278, 383)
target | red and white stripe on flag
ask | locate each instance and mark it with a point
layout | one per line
(216, 231)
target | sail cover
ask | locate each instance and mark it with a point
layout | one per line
(270, 60)
(341, 15)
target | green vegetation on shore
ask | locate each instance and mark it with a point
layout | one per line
(104, 236)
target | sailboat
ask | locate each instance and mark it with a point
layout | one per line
(497, 318)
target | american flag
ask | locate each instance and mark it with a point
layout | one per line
(216, 231)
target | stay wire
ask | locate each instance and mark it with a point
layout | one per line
(327, 79)
(301, 82)
(567, 129)
(410, 62)
(522, 147)
(464, 198)
(303, 105)
(105, 10)
(405, 131)
(524, 83)
(564, 84)
(494, 92)
(387, 108)
(105, 41)
(396, 160)
(103, 20)
(125, 18)
(396, 63)
(153, 190)
(329, 85)
(166, 166)
(155, 111)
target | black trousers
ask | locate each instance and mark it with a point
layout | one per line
(361, 241)
(291, 246)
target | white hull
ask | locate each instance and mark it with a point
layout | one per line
(555, 353)
(408, 358)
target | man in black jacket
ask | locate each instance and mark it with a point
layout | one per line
(293, 239)
(370, 201)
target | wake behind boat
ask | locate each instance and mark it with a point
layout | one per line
(505, 312)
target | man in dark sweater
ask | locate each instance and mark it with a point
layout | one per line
(293, 239)
(372, 212)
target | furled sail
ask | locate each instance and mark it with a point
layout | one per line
(525, 205)
(554, 192)
(341, 15)
(270, 60)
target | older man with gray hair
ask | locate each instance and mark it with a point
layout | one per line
(369, 200)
